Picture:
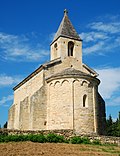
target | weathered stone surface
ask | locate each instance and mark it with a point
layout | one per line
(24, 114)
(38, 108)
(61, 94)
(59, 109)
(11, 117)
(102, 115)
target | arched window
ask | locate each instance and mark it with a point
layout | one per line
(84, 100)
(55, 46)
(70, 48)
(55, 50)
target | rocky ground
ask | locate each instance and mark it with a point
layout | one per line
(52, 149)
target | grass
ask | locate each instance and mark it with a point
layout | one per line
(54, 138)
(110, 149)
(101, 148)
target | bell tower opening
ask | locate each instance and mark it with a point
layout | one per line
(70, 48)
(66, 43)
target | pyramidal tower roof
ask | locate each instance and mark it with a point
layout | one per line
(66, 29)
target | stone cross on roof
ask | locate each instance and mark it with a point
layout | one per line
(66, 29)
(65, 11)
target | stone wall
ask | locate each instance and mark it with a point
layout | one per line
(29, 88)
(60, 49)
(38, 109)
(58, 103)
(65, 105)
(101, 115)
(60, 108)
(33, 111)
(24, 114)
(11, 117)
(22, 102)
(67, 133)
(83, 114)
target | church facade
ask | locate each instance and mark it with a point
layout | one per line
(60, 94)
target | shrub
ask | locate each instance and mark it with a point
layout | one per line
(52, 138)
(85, 140)
(67, 141)
(96, 142)
(79, 140)
(55, 138)
(37, 138)
(76, 140)
(14, 138)
(2, 138)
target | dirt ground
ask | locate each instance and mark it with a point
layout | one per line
(52, 149)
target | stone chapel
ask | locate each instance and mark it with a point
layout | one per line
(61, 94)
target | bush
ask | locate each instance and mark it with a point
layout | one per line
(14, 138)
(55, 138)
(79, 140)
(2, 138)
(76, 140)
(37, 138)
(96, 142)
(86, 140)
(51, 138)
(67, 141)
(9, 138)
(34, 138)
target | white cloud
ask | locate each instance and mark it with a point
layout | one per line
(103, 35)
(110, 84)
(102, 47)
(112, 27)
(7, 38)
(117, 40)
(51, 36)
(19, 48)
(93, 36)
(115, 101)
(4, 100)
(6, 80)
(94, 48)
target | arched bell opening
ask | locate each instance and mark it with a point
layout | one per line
(70, 48)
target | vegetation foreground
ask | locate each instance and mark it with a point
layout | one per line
(49, 138)
(53, 145)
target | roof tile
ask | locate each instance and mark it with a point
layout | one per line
(66, 29)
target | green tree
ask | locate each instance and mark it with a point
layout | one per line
(113, 128)
(5, 125)
(109, 121)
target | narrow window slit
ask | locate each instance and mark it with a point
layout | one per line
(70, 48)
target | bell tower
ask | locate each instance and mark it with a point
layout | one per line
(66, 43)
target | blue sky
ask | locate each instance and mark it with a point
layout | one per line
(27, 28)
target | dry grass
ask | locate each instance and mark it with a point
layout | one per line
(59, 149)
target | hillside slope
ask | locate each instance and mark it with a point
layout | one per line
(59, 149)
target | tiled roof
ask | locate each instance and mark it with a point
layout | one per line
(68, 72)
(66, 29)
